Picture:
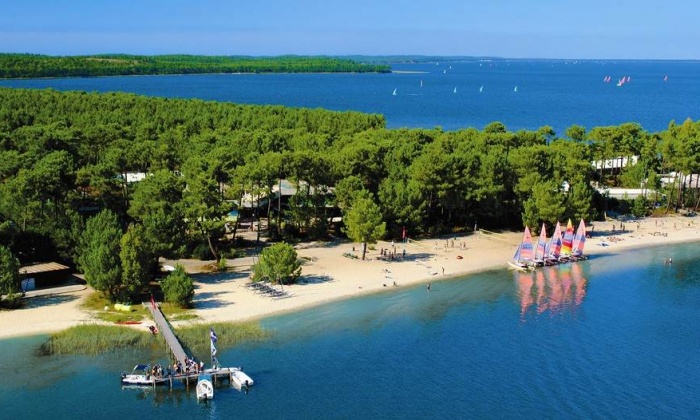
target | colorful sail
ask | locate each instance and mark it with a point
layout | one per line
(554, 246)
(541, 244)
(568, 240)
(579, 239)
(526, 251)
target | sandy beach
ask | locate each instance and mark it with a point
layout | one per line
(329, 275)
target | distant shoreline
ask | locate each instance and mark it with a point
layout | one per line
(409, 72)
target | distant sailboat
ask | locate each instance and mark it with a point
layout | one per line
(421, 82)
(394, 93)
(515, 89)
(481, 89)
(666, 78)
(444, 72)
(455, 90)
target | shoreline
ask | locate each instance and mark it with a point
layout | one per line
(329, 276)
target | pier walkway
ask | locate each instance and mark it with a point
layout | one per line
(164, 329)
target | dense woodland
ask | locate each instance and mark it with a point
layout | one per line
(64, 157)
(34, 65)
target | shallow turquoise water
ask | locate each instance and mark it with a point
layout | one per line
(612, 337)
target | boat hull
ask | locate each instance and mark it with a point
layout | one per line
(205, 390)
(140, 380)
(517, 266)
(240, 378)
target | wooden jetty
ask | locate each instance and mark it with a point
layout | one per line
(232, 374)
(164, 328)
(228, 374)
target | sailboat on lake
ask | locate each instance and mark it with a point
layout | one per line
(538, 261)
(481, 89)
(567, 241)
(455, 90)
(394, 93)
(553, 249)
(515, 89)
(523, 255)
(579, 242)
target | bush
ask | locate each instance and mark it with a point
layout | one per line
(178, 287)
(11, 301)
(278, 263)
(221, 264)
(639, 207)
(202, 252)
(9, 274)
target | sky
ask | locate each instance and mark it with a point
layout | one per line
(610, 29)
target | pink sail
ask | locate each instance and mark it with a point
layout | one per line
(579, 239)
(541, 244)
(568, 240)
(526, 253)
(554, 246)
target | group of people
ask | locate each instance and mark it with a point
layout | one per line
(156, 371)
(190, 366)
(390, 253)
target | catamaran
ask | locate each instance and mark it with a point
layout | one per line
(539, 260)
(553, 249)
(567, 242)
(579, 242)
(523, 255)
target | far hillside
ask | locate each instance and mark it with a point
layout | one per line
(33, 65)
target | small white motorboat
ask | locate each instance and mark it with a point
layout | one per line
(240, 378)
(205, 387)
(140, 376)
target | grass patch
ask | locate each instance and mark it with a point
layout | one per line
(229, 334)
(95, 339)
(96, 303)
(183, 317)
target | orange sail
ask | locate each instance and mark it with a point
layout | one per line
(568, 240)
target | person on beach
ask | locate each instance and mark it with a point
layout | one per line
(443, 271)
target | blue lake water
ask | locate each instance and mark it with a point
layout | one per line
(550, 92)
(612, 337)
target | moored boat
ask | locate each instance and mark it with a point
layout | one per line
(579, 242)
(523, 255)
(205, 387)
(539, 260)
(240, 378)
(140, 376)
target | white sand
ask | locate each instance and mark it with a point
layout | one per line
(329, 276)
